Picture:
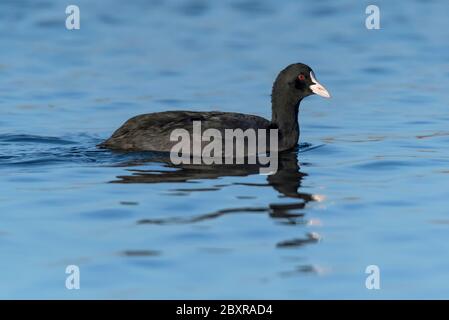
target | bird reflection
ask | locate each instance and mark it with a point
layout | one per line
(286, 181)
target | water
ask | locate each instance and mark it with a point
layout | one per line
(369, 185)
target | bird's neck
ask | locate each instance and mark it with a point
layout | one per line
(284, 115)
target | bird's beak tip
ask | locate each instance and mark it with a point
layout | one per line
(318, 88)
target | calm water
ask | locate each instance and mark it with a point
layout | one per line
(374, 190)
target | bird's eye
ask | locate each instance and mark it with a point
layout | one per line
(301, 77)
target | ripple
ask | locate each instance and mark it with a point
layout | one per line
(34, 150)
(194, 8)
(377, 70)
(252, 7)
(324, 11)
(433, 135)
(33, 139)
(108, 214)
(305, 269)
(140, 253)
(299, 242)
(384, 165)
(202, 217)
(129, 203)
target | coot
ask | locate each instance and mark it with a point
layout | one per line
(151, 132)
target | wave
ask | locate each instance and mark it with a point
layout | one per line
(35, 150)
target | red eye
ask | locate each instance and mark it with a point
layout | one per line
(301, 77)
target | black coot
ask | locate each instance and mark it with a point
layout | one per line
(151, 132)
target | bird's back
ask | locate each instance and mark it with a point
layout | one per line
(151, 132)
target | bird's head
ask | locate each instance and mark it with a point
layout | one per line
(296, 82)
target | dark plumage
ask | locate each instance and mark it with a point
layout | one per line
(151, 132)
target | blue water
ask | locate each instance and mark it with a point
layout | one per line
(374, 191)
